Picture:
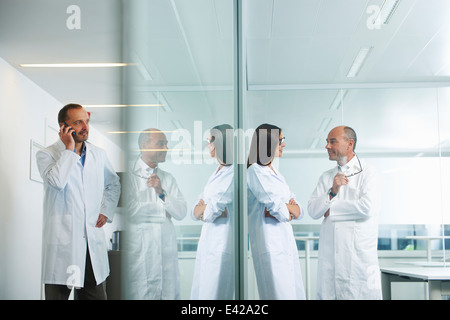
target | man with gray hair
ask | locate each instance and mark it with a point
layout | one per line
(347, 198)
(152, 200)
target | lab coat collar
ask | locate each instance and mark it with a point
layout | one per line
(272, 171)
(224, 169)
(61, 146)
(140, 167)
(353, 163)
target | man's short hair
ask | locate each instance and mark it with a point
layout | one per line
(351, 134)
(62, 115)
(146, 135)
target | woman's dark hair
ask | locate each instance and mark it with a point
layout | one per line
(265, 140)
(222, 139)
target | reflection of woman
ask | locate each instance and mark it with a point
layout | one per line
(214, 272)
(271, 206)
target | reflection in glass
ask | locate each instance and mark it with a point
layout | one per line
(214, 265)
(187, 50)
(271, 207)
(152, 199)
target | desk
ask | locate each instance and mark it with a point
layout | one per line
(428, 240)
(437, 280)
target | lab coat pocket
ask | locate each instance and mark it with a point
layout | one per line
(97, 238)
(344, 234)
(275, 237)
(61, 229)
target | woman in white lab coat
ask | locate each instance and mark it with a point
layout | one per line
(214, 265)
(271, 207)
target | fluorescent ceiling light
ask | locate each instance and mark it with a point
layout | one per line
(315, 143)
(177, 124)
(75, 65)
(162, 100)
(360, 58)
(387, 10)
(339, 99)
(325, 123)
(145, 74)
(121, 105)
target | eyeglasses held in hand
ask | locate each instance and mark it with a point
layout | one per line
(361, 169)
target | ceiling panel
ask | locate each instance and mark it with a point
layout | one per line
(260, 27)
(336, 32)
(434, 56)
(36, 32)
(187, 49)
(294, 19)
(339, 18)
(421, 18)
(198, 18)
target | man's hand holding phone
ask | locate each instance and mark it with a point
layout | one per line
(66, 134)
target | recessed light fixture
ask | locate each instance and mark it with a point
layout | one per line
(360, 58)
(177, 124)
(162, 100)
(339, 99)
(387, 10)
(145, 74)
(324, 125)
(75, 65)
(315, 143)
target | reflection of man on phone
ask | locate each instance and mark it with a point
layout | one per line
(81, 193)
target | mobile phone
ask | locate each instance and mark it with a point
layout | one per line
(73, 132)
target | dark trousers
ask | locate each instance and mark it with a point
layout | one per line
(90, 291)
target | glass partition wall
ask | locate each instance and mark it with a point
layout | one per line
(400, 131)
(182, 88)
(203, 63)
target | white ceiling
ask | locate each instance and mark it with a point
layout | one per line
(298, 53)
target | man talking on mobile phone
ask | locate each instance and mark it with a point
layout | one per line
(81, 193)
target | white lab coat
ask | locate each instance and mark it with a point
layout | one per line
(151, 256)
(348, 263)
(74, 197)
(274, 250)
(214, 266)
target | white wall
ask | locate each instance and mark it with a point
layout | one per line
(24, 110)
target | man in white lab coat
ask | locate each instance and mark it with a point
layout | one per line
(347, 198)
(81, 193)
(152, 200)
